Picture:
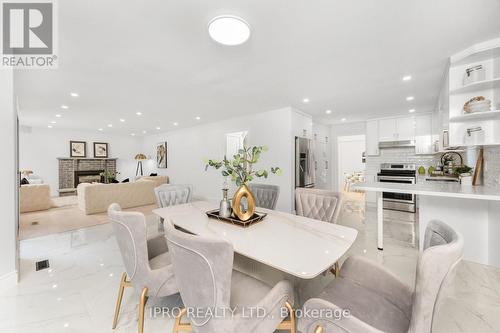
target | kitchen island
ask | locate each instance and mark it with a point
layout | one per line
(474, 211)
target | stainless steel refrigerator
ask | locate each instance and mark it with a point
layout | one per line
(304, 163)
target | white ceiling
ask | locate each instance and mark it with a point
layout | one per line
(156, 57)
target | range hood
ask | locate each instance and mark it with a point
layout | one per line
(396, 144)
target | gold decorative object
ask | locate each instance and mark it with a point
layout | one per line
(478, 170)
(140, 157)
(243, 191)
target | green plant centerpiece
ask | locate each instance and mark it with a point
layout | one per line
(108, 176)
(241, 171)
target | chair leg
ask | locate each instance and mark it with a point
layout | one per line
(178, 326)
(142, 306)
(318, 329)
(123, 283)
(291, 323)
(335, 269)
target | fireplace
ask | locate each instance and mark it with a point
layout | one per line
(87, 176)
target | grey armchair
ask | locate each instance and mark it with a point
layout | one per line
(378, 301)
(266, 196)
(318, 204)
(204, 272)
(173, 194)
(147, 262)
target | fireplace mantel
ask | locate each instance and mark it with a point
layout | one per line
(86, 159)
(68, 166)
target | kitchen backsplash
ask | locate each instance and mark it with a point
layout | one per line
(407, 155)
(398, 155)
(492, 172)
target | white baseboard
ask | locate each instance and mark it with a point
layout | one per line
(8, 280)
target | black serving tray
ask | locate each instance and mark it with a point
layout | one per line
(257, 217)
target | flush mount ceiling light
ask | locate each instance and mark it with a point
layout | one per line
(410, 98)
(197, 118)
(305, 100)
(411, 110)
(407, 78)
(64, 107)
(229, 30)
(343, 119)
(74, 94)
(328, 111)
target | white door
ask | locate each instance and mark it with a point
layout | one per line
(405, 128)
(350, 156)
(387, 129)
(372, 138)
(423, 134)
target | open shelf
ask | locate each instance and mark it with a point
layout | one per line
(476, 116)
(481, 85)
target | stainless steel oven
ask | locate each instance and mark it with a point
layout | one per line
(402, 173)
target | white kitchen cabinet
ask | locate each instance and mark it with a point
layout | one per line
(387, 130)
(302, 125)
(405, 128)
(372, 138)
(423, 134)
(396, 129)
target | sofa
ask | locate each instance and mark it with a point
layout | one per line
(96, 198)
(34, 197)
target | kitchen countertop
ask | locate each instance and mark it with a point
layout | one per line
(431, 188)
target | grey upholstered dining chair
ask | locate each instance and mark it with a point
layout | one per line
(204, 272)
(173, 194)
(318, 204)
(266, 196)
(379, 302)
(147, 262)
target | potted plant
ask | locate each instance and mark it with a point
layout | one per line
(241, 171)
(108, 176)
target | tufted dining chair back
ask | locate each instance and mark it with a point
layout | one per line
(436, 268)
(173, 194)
(203, 267)
(266, 196)
(318, 204)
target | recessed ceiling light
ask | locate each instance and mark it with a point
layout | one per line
(158, 128)
(410, 98)
(176, 124)
(305, 100)
(64, 107)
(328, 111)
(49, 126)
(197, 118)
(139, 113)
(100, 129)
(407, 78)
(110, 125)
(58, 116)
(229, 30)
(122, 120)
(144, 132)
(411, 110)
(343, 119)
(74, 94)
(133, 134)
(53, 122)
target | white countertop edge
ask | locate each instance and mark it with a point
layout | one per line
(449, 190)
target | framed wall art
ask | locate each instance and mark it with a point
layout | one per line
(77, 149)
(161, 155)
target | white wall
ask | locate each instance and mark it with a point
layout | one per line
(8, 179)
(39, 149)
(187, 149)
(357, 128)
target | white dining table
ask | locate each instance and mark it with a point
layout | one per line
(295, 245)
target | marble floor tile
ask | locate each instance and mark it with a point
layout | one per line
(78, 292)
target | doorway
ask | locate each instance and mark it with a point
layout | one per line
(351, 157)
